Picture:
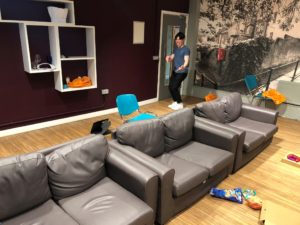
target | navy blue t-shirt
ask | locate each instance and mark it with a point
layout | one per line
(179, 54)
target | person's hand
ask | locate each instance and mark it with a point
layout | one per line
(182, 67)
(168, 58)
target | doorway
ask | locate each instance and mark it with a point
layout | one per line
(171, 23)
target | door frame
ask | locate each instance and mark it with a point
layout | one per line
(164, 12)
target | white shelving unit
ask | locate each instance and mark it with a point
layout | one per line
(90, 58)
(67, 4)
(54, 43)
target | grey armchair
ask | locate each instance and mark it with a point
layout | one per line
(254, 125)
(189, 157)
(79, 182)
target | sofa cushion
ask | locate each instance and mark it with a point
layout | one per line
(46, 214)
(102, 202)
(223, 110)
(265, 129)
(233, 105)
(213, 110)
(252, 141)
(23, 184)
(75, 167)
(188, 175)
(214, 159)
(146, 136)
(178, 128)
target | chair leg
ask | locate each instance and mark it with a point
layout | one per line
(258, 101)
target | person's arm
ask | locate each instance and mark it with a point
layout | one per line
(170, 58)
(186, 63)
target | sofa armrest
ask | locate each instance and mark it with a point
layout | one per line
(212, 135)
(259, 114)
(165, 174)
(133, 176)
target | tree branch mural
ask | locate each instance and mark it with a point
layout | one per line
(291, 15)
(251, 32)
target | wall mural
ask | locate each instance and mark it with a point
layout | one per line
(239, 37)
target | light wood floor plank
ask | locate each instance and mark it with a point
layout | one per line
(272, 179)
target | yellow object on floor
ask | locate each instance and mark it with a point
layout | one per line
(274, 214)
(275, 95)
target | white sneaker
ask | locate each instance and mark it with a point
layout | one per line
(177, 106)
(172, 105)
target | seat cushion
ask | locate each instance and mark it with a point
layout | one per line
(265, 129)
(252, 141)
(107, 203)
(187, 174)
(178, 128)
(146, 136)
(23, 184)
(214, 159)
(46, 214)
(75, 167)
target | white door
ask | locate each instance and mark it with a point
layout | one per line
(171, 24)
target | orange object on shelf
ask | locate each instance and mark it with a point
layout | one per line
(210, 97)
(78, 82)
(275, 95)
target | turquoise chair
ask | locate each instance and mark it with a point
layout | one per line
(127, 104)
(253, 88)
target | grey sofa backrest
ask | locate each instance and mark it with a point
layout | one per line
(233, 105)
(224, 110)
(50, 149)
(178, 127)
(23, 184)
(213, 110)
(146, 136)
(77, 166)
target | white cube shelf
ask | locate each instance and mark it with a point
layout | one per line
(55, 48)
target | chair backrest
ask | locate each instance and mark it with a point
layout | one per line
(251, 82)
(127, 104)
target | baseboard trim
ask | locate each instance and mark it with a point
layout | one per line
(51, 123)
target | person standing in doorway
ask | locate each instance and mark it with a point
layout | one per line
(180, 58)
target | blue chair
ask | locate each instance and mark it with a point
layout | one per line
(127, 104)
(253, 88)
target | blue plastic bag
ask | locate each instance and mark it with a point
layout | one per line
(234, 195)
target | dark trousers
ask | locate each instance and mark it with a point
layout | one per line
(174, 85)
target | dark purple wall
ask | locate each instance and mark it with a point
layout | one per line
(121, 66)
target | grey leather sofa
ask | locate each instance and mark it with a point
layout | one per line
(255, 125)
(188, 157)
(81, 182)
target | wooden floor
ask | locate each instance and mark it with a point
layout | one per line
(272, 179)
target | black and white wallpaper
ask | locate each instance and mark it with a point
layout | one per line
(239, 37)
